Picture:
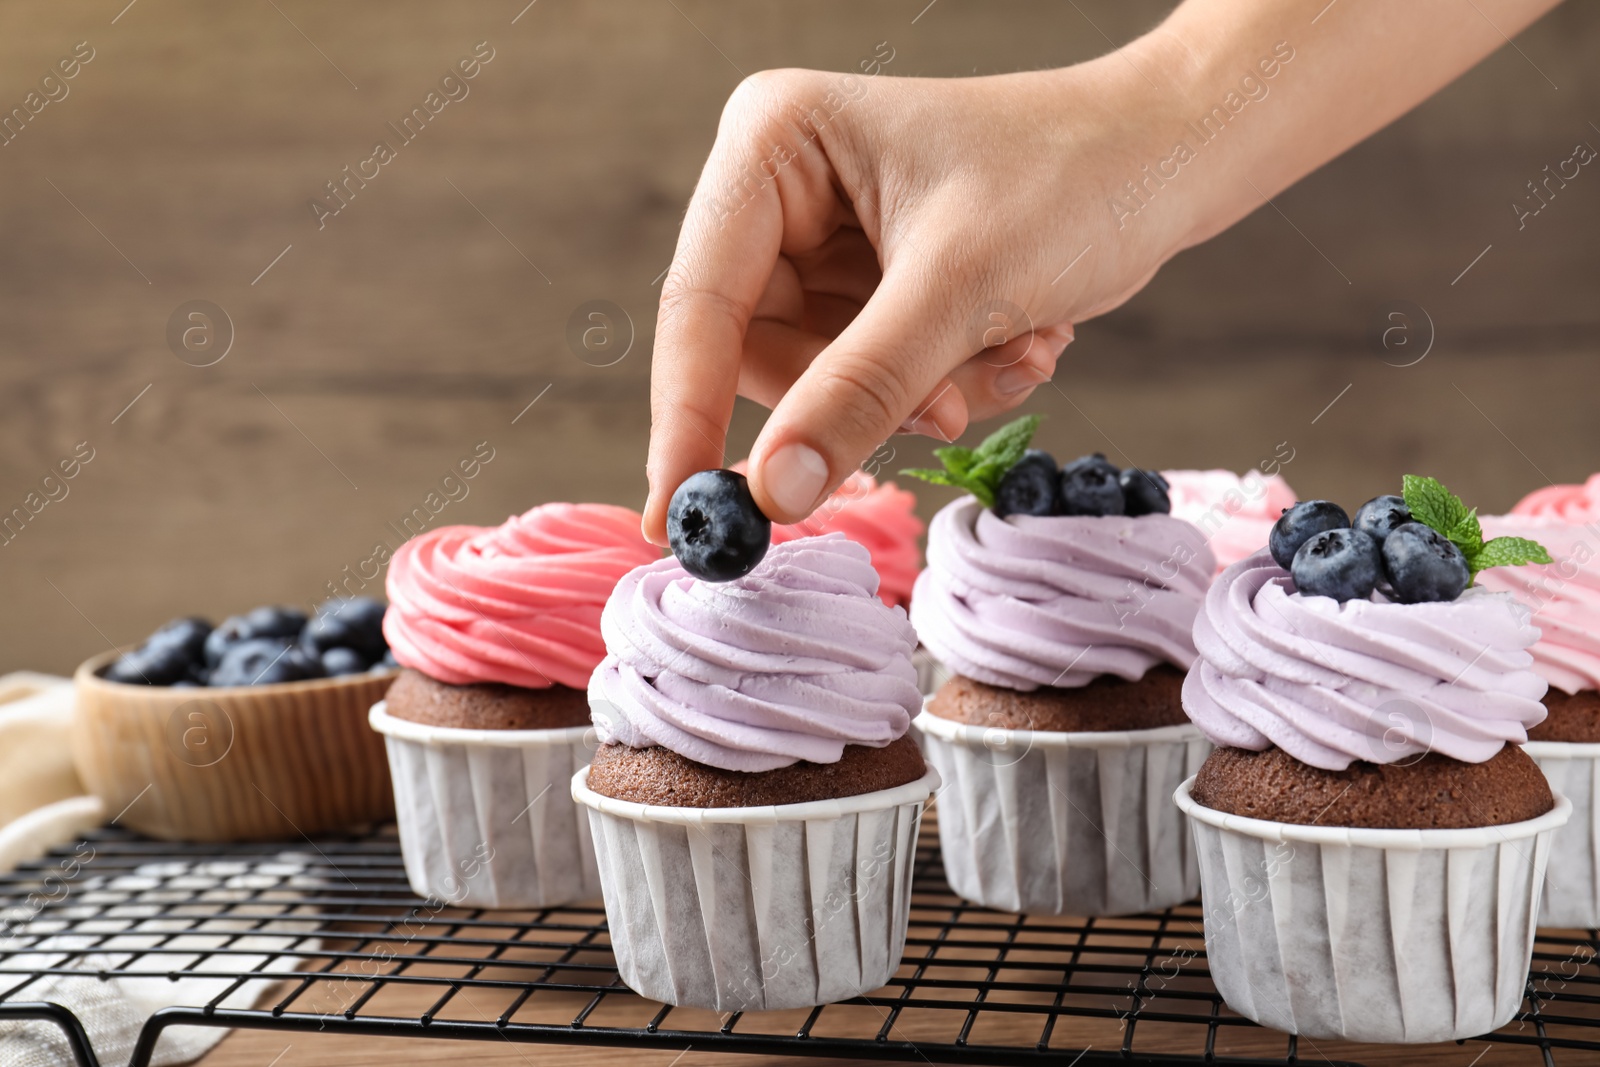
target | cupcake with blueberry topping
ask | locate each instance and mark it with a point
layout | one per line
(1564, 597)
(1372, 837)
(497, 630)
(756, 798)
(1061, 600)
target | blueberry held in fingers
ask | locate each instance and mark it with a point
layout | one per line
(1144, 493)
(1381, 516)
(1029, 487)
(1089, 486)
(1301, 523)
(715, 528)
(1342, 564)
(1424, 564)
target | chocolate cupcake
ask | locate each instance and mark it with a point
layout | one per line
(1372, 840)
(1060, 733)
(756, 800)
(1564, 596)
(498, 629)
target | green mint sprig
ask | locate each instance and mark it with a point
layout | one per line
(979, 470)
(1433, 505)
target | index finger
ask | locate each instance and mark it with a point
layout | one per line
(726, 251)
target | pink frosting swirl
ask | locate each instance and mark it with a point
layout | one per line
(791, 662)
(517, 603)
(1030, 601)
(881, 516)
(1234, 512)
(1564, 594)
(1568, 503)
(1333, 683)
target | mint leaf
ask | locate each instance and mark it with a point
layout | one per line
(1467, 535)
(956, 460)
(979, 470)
(935, 476)
(1508, 552)
(1433, 504)
(1005, 446)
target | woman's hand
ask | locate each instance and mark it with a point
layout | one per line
(866, 255)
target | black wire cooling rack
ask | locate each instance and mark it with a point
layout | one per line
(326, 937)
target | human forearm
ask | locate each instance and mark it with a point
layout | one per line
(1354, 69)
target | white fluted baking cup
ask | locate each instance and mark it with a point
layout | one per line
(759, 908)
(931, 674)
(1572, 880)
(1370, 935)
(486, 816)
(1059, 823)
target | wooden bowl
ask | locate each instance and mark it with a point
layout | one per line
(263, 762)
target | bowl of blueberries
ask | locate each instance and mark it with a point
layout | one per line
(252, 729)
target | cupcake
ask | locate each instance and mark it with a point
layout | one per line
(1372, 838)
(1234, 512)
(1062, 602)
(756, 798)
(497, 630)
(1564, 597)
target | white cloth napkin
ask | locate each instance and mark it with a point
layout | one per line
(116, 914)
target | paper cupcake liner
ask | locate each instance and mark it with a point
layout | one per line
(931, 674)
(1059, 823)
(758, 908)
(1572, 880)
(1370, 935)
(486, 816)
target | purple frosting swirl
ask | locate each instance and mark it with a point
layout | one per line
(791, 662)
(1373, 680)
(1029, 601)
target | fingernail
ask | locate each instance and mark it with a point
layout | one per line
(795, 476)
(1018, 379)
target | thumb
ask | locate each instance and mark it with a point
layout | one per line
(888, 367)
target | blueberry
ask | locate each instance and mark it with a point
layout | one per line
(1145, 492)
(187, 634)
(151, 665)
(1423, 564)
(1299, 524)
(346, 622)
(228, 633)
(1089, 486)
(1029, 487)
(338, 661)
(1342, 564)
(1379, 517)
(263, 661)
(715, 528)
(387, 663)
(275, 622)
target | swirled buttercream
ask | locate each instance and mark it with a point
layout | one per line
(1029, 601)
(1564, 594)
(1333, 683)
(517, 603)
(791, 662)
(1234, 512)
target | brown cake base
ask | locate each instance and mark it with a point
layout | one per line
(1107, 703)
(661, 776)
(1573, 717)
(1433, 793)
(492, 706)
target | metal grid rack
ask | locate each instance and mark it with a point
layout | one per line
(327, 937)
